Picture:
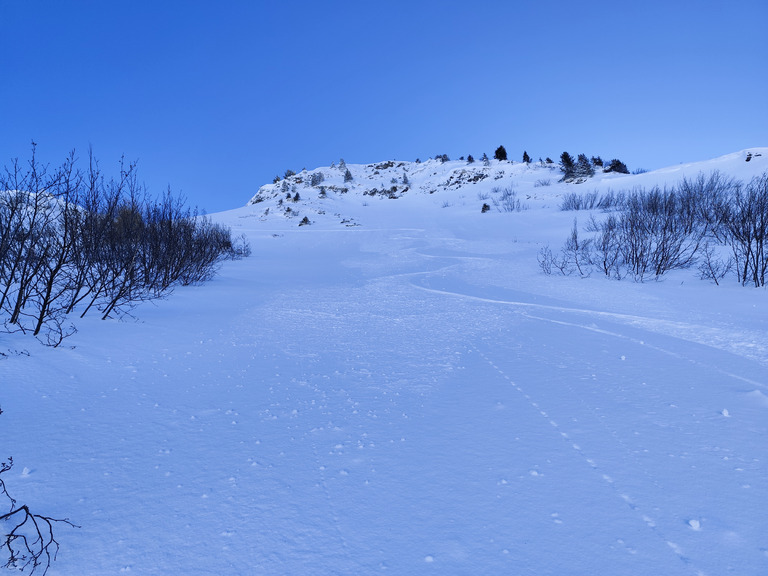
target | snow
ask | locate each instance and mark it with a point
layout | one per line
(397, 388)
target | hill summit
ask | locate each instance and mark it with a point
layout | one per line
(336, 194)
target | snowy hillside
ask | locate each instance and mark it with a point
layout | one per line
(397, 387)
(325, 196)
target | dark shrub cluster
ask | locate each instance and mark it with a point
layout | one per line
(316, 179)
(716, 222)
(579, 169)
(73, 241)
(616, 165)
(582, 167)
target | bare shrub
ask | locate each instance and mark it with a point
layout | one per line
(592, 201)
(71, 239)
(656, 234)
(506, 200)
(607, 249)
(711, 265)
(575, 201)
(710, 197)
(747, 227)
(575, 257)
(28, 538)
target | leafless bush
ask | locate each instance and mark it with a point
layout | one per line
(28, 539)
(607, 248)
(747, 229)
(658, 230)
(575, 256)
(657, 233)
(546, 260)
(506, 200)
(611, 200)
(592, 201)
(655, 230)
(72, 240)
(711, 265)
(710, 198)
(575, 201)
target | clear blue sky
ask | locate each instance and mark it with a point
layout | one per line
(216, 98)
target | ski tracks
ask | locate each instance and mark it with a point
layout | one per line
(736, 342)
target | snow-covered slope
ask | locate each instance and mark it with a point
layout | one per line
(397, 388)
(326, 197)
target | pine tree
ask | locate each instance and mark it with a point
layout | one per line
(583, 167)
(316, 178)
(347, 175)
(567, 165)
(500, 154)
(616, 165)
(526, 158)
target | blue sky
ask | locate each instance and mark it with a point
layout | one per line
(216, 98)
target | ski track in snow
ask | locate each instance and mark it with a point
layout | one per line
(675, 329)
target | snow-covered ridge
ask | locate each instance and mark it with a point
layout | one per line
(327, 193)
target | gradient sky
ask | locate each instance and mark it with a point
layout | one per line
(216, 98)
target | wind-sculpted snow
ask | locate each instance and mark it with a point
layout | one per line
(408, 396)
